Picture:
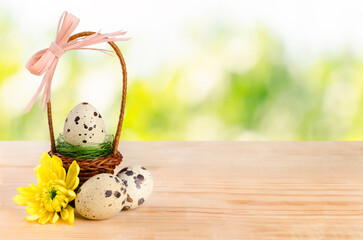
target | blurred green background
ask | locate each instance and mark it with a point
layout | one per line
(204, 70)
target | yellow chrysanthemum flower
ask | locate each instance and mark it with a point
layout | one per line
(54, 191)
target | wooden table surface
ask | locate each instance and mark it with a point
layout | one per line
(213, 190)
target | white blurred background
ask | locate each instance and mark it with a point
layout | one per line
(198, 70)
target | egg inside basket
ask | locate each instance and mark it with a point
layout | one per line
(84, 134)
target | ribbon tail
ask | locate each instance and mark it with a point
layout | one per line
(105, 51)
(45, 84)
(32, 101)
(48, 84)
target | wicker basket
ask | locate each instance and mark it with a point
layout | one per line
(91, 167)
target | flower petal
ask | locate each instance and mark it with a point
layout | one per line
(70, 219)
(64, 214)
(45, 218)
(24, 191)
(56, 160)
(42, 211)
(29, 192)
(60, 197)
(61, 190)
(44, 175)
(56, 205)
(71, 194)
(64, 204)
(45, 159)
(55, 218)
(32, 217)
(35, 204)
(56, 166)
(62, 174)
(48, 206)
(34, 188)
(32, 210)
(72, 179)
(21, 200)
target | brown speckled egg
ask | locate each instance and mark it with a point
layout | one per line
(101, 197)
(139, 185)
(84, 125)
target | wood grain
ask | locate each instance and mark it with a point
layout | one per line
(213, 190)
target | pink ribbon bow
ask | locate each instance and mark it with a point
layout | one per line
(46, 60)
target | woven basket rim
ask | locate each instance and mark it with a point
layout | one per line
(83, 159)
(92, 166)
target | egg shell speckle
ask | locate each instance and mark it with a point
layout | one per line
(139, 185)
(84, 125)
(101, 197)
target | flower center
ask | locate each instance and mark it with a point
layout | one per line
(55, 196)
(52, 193)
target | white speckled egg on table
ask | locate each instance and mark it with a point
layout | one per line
(101, 197)
(83, 125)
(139, 185)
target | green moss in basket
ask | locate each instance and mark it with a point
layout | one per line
(85, 151)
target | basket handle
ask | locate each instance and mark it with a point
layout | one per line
(123, 101)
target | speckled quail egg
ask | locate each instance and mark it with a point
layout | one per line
(139, 185)
(84, 125)
(101, 197)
